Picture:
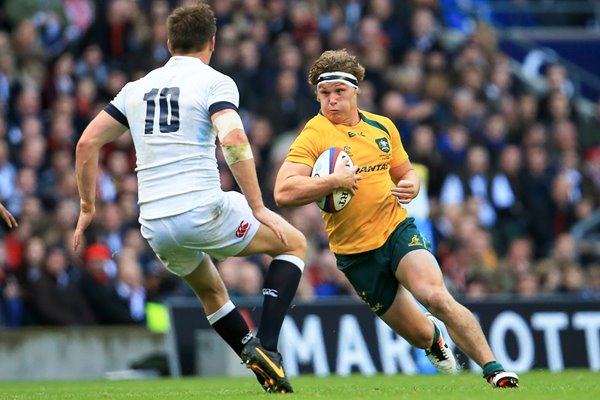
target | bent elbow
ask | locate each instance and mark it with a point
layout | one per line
(281, 199)
(82, 147)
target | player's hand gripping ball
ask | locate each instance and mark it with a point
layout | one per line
(326, 164)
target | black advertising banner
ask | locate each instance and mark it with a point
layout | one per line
(342, 336)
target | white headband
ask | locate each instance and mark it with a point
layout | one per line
(338, 76)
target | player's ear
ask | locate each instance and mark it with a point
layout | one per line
(211, 44)
(169, 46)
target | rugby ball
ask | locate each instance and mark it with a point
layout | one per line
(325, 165)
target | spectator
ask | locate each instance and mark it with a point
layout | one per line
(592, 282)
(129, 286)
(537, 183)
(453, 144)
(518, 260)
(8, 173)
(590, 130)
(250, 279)
(573, 278)
(564, 195)
(424, 30)
(91, 64)
(98, 284)
(12, 309)
(326, 279)
(591, 175)
(11, 304)
(445, 97)
(467, 111)
(527, 110)
(53, 296)
(549, 273)
(423, 150)
(114, 31)
(111, 224)
(285, 107)
(491, 190)
(527, 285)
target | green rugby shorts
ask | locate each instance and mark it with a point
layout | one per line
(372, 273)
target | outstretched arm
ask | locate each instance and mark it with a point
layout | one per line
(101, 130)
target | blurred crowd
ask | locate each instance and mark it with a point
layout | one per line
(508, 170)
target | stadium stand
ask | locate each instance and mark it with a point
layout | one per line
(508, 130)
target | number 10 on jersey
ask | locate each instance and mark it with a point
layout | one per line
(168, 110)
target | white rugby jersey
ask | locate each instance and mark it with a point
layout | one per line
(168, 112)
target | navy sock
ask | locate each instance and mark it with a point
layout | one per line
(279, 290)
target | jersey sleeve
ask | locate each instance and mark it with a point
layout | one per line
(223, 94)
(399, 154)
(116, 108)
(306, 148)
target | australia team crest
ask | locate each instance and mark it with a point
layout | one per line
(383, 144)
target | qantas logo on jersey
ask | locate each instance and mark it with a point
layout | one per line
(371, 168)
(242, 230)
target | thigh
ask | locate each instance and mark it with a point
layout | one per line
(406, 239)
(161, 236)
(265, 242)
(230, 231)
(371, 276)
(420, 273)
(416, 268)
(205, 277)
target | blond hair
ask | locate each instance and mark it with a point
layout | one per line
(335, 61)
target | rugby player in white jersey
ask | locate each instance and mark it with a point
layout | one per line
(175, 114)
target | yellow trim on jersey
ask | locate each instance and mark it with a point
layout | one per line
(374, 145)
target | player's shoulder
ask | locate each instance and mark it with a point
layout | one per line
(379, 121)
(149, 78)
(317, 123)
(215, 76)
(376, 117)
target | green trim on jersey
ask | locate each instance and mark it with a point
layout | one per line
(374, 123)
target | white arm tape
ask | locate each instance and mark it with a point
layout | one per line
(237, 152)
(226, 123)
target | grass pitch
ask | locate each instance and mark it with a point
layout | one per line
(542, 385)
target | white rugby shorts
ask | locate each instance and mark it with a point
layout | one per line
(220, 230)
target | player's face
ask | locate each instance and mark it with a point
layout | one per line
(338, 102)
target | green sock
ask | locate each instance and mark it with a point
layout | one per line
(490, 368)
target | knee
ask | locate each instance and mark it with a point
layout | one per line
(297, 244)
(208, 290)
(212, 297)
(439, 302)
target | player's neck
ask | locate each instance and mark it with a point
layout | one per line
(203, 55)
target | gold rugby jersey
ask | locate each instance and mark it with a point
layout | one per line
(375, 147)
